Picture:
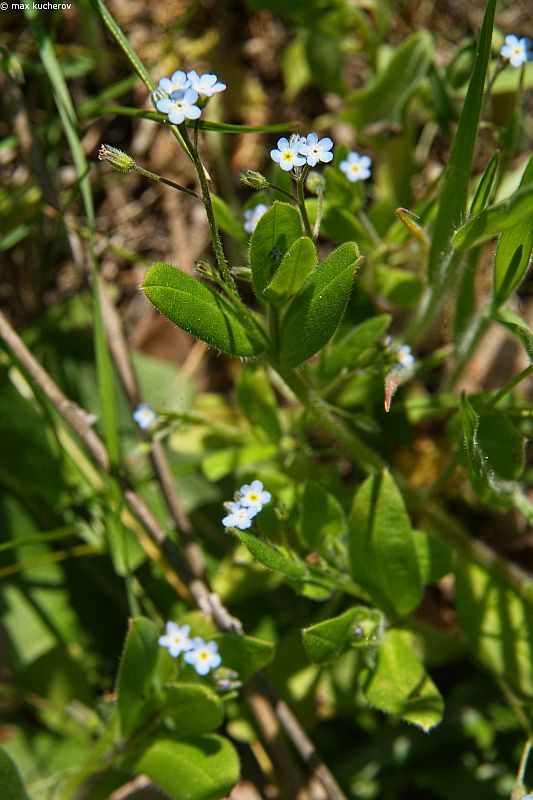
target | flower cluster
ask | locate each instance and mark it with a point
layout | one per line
(201, 655)
(144, 415)
(516, 51)
(298, 150)
(183, 95)
(247, 503)
(356, 167)
(252, 216)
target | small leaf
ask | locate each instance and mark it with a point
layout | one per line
(359, 626)
(312, 317)
(502, 445)
(513, 253)
(518, 328)
(386, 96)
(135, 671)
(244, 654)
(201, 768)
(193, 709)
(10, 780)
(198, 310)
(271, 557)
(481, 197)
(496, 218)
(276, 231)
(382, 553)
(321, 516)
(357, 347)
(401, 686)
(297, 264)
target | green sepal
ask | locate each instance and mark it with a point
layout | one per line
(200, 311)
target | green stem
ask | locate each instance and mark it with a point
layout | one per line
(362, 454)
(300, 196)
(319, 212)
(213, 227)
(282, 191)
(495, 399)
(159, 179)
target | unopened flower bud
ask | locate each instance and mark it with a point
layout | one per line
(315, 183)
(254, 179)
(120, 161)
(204, 268)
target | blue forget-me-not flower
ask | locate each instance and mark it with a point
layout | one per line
(176, 639)
(144, 415)
(516, 51)
(252, 216)
(356, 167)
(203, 656)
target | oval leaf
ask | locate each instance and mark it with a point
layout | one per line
(203, 768)
(357, 627)
(313, 316)
(400, 685)
(194, 709)
(382, 552)
(297, 264)
(271, 557)
(135, 671)
(274, 234)
(244, 654)
(198, 310)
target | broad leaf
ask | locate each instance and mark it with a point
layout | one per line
(321, 517)
(200, 768)
(297, 264)
(135, 671)
(244, 654)
(276, 231)
(312, 317)
(382, 553)
(10, 780)
(401, 686)
(193, 709)
(198, 310)
(358, 627)
(498, 624)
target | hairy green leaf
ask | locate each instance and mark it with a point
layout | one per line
(313, 316)
(199, 310)
(297, 264)
(274, 234)
(193, 709)
(358, 627)
(135, 671)
(497, 218)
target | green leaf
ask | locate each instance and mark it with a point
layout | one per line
(479, 471)
(258, 401)
(226, 219)
(325, 58)
(357, 347)
(513, 253)
(518, 328)
(502, 445)
(271, 557)
(498, 624)
(221, 462)
(274, 234)
(454, 192)
(400, 287)
(481, 197)
(499, 217)
(193, 709)
(201, 768)
(321, 516)
(204, 125)
(297, 264)
(401, 686)
(10, 780)
(435, 559)
(312, 317)
(382, 553)
(386, 96)
(198, 310)
(135, 671)
(358, 627)
(244, 654)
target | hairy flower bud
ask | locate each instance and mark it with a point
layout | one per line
(315, 183)
(120, 161)
(254, 179)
